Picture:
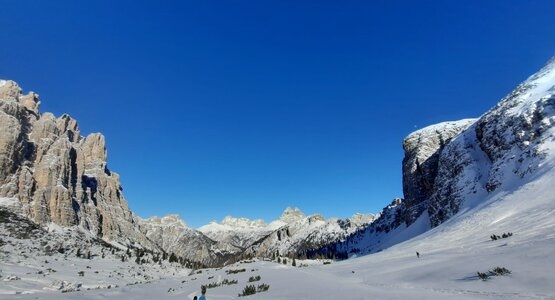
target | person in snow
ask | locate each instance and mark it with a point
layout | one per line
(195, 298)
(202, 291)
(417, 254)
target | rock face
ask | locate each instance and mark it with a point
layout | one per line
(56, 174)
(456, 166)
(505, 148)
(420, 164)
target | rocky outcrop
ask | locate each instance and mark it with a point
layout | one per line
(420, 164)
(504, 149)
(451, 165)
(56, 174)
(458, 166)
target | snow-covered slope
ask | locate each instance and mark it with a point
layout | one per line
(55, 259)
(451, 254)
(503, 150)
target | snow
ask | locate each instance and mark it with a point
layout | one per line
(9, 202)
(2, 82)
(451, 254)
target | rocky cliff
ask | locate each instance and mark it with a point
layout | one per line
(456, 166)
(504, 149)
(420, 164)
(52, 174)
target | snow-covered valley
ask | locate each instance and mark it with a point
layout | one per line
(477, 220)
(450, 257)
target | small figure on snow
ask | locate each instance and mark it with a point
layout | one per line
(202, 291)
(417, 254)
(195, 298)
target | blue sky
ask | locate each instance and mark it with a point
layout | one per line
(215, 108)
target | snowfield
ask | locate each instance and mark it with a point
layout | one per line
(451, 256)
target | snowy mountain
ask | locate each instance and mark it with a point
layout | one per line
(239, 232)
(291, 234)
(301, 233)
(174, 236)
(454, 167)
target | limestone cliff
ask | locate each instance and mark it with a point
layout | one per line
(420, 164)
(56, 175)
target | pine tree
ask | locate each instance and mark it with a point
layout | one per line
(279, 260)
(294, 264)
(78, 252)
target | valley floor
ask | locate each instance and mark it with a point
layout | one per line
(451, 256)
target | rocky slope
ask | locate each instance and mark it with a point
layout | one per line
(506, 147)
(456, 166)
(69, 259)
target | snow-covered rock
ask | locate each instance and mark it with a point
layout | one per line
(302, 233)
(420, 164)
(239, 232)
(174, 236)
(506, 147)
(453, 167)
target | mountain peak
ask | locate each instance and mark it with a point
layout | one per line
(242, 222)
(169, 220)
(291, 214)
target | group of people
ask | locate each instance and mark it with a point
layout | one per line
(202, 294)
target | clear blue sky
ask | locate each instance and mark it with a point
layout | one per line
(215, 108)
